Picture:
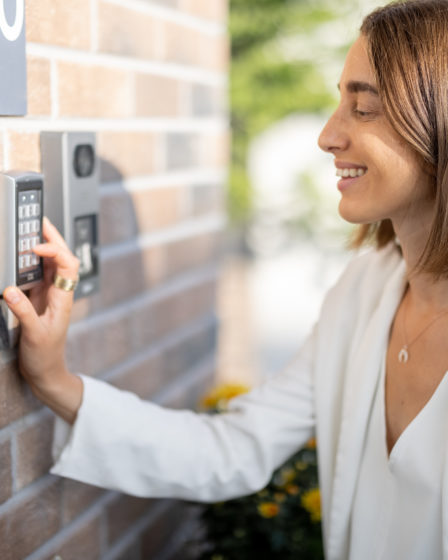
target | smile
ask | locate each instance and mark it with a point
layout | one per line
(350, 172)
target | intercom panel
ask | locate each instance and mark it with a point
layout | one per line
(70, 169)
(21, 205)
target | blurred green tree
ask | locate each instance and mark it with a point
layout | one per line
(275, 45)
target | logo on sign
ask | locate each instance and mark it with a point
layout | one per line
(12, 32)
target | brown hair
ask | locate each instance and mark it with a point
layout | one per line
(408, 49)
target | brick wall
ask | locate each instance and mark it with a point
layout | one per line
(149, 77)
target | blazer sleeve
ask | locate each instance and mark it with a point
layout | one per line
(121, 442)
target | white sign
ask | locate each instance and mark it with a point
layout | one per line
(12, 58)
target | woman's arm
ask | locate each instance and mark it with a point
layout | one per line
(124, 443)
(113, 439)
(44, 320)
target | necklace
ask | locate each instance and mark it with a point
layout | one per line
(403, 354)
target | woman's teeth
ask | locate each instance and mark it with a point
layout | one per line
(350, 172)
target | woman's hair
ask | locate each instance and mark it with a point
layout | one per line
(408, 49)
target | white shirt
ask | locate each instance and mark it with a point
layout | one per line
(399, 498)
(119, 441)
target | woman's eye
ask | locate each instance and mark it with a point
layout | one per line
(366, 115)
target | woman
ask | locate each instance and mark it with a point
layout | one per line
(370, 380)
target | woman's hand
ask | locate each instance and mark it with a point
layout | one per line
(44, 320)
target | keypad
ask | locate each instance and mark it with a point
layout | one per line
(28, 228)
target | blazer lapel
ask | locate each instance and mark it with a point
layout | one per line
(362, 378)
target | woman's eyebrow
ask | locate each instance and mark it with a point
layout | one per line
(356, 86)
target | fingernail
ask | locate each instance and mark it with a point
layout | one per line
(12, 295)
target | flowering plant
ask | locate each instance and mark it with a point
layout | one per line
(281, 521)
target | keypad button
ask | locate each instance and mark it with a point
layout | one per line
(21, 262)
(21, 212)
(27, 260)
(34, 259)
(36, 209)
(34, 242)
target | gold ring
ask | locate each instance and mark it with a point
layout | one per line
(66, 284)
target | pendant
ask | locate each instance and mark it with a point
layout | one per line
(403, 355)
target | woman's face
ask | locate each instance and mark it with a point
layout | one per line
(385, 178)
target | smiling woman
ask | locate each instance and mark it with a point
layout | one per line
(370, 381)
(382, 176)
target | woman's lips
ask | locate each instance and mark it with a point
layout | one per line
(349, 173)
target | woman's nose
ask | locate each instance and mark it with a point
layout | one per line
(334, 136)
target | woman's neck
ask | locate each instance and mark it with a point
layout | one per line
(427, 293)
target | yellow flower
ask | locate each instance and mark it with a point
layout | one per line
(219, 396)
(300, 465)
(311, 502)
(268, 509)
(292, 489)
(279, 497)
(288, 475)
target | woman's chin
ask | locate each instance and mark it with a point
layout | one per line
(353, 214)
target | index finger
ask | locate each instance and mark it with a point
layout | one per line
(64, 261)
(51, 233)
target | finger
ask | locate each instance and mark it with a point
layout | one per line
(22, 308)
(62, 259)
(51, 233)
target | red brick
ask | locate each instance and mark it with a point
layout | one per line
(216, 148)
(16, 398)
(154, 265)
(5, 471)
(157, 96)
(30, 523)
(127, 32)
(24, 150)
(143, 377)
(93, 91)
(91, 349)
(131, 552)
(83, 544)
(190, 47)
(183, 151)
(183, 45)
(208, 9)
(118, 220)
(125, 214)
(59, 22)
(205, 199)
(208, 101)
(126, 154)
(76, 497)
(123, 513)
(157, 208)
(188, 353)
(167, 315)
(34, 452)
(155, 538)
(38, 86)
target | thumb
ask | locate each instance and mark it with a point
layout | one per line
(22, 308)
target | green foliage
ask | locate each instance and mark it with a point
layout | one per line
(270, 78)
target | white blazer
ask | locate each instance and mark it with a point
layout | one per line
(121, 442)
